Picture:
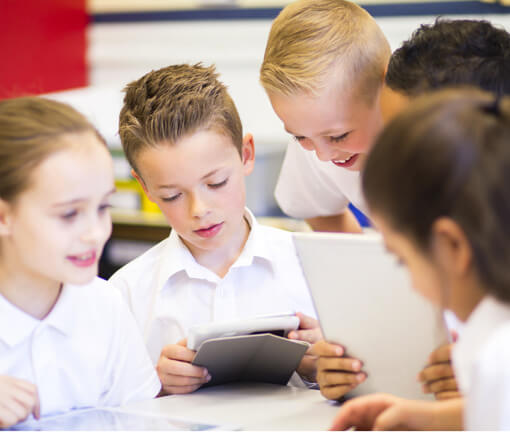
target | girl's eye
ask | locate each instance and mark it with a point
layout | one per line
(69, 215)
(172, 198)
(218, 185)
(339, 137)
(104, 207)
(299, 138)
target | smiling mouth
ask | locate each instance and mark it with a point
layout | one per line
(83, 260)
(346, 162)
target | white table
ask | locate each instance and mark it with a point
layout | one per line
(248, 406)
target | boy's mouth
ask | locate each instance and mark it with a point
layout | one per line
(347, 162)
(83, 260)
(209, 231)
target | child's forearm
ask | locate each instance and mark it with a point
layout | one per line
(448, 415)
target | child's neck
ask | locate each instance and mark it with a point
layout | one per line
(33, 296)
(219, 261)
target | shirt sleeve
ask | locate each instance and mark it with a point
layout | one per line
(132, 376)
(488, 399)
(305, 189)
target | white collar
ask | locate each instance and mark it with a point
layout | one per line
(177, 257)
(488, 315)
(16, 325)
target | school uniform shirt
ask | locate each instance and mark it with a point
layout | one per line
(87, 352)
(169, 292)
(308, 187)
(481, 360)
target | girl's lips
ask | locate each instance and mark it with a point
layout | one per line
(83, 260)
(348, 162)
(209, 231)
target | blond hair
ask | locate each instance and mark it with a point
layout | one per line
(31, 129)
(312, 39)
(170, 103)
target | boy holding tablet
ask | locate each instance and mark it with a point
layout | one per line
(183, 137)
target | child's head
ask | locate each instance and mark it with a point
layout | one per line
(57, 176)
(323, 69)
(445, 54)
(182, 134)
(436, 183)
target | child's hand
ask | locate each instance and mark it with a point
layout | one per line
(309, 331)
(175, 371)
(336, 375)
(438, 376)
(18, 399)
(385, 412)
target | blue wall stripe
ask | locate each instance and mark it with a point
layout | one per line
(376, 10)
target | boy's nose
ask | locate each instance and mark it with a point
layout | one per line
(323, 151)
(198, 207)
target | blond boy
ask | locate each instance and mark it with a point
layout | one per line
(183, 137)
(323, 70)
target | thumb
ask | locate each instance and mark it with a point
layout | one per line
(183, 342)
(390, 419)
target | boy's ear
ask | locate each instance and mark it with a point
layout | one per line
(452, 247)
(5, 218)
(248, 154)
(142, 184)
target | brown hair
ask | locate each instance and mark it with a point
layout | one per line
(31, 129)
(170, 103)
(312, 39)
(448, 156)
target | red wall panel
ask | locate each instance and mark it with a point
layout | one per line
(42, 46)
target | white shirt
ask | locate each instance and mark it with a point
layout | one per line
(481, 360)
(86, 352)
(308, 187)
(169, 292)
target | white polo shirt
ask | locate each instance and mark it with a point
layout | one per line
(169, 292)
(308, 187)
(87, 352)
(481, 360)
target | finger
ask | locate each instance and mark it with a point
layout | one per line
(445, 395)
(326, 349)
(336, 392)
(326, 379)
(436, 372)
(14, 411)
(449, 384)
(310, 336)
(178, 352)
(167, 366)
(184, 381)
(345, 364)
(37, 407)
(390, 419)
(7, 418)
(307, 322)
(361, 412)
(441, 354)
(181, 389)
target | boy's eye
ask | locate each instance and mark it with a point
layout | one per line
(172, 198)
(218, 185)
(339, 137)
(299, 138)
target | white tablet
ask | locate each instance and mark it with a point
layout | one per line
(365, 302)
(278, 324)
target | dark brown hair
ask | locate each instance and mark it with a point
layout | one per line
(31, 129)
(167, 104)
(448, 156)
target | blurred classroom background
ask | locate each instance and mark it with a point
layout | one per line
(84, 52)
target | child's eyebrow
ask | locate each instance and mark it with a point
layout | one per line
(78, 200)
(172, 186)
